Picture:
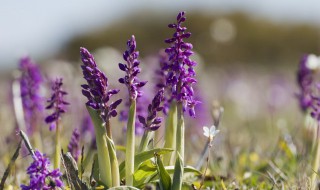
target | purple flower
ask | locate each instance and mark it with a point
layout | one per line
(152, 122)
(96, 89)
(305, 82)
(56, 103)
(41, 177)
(132, 70)
(74, 144)
(87, 127)
(180, 67)
(161, 75)
(30, 83)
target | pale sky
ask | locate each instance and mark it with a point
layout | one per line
(38, 28)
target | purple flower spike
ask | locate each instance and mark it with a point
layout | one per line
(132, 70)
(74, 144)
(30, 83)
(305, 82)
(56, 103)
(180, 69)
(152, 122)
(96, 89)
(161, 75)
(41, 177)
(87, 128)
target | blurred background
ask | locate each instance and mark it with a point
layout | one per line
(247, 52)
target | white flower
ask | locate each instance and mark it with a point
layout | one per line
(313, 62)
(210, 133)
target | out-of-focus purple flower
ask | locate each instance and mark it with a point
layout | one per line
(161, 76)
(152, 122)
(96, 89)
(140, 110)
(74, 144)
(57, 103)
(305, 80)
(30, 83)
(132, 70)
(180, 67)
(41, 177)
(87, 127)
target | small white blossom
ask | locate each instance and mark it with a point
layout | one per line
(210, 133)
(313, 62)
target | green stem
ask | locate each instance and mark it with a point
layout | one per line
(170, 134)
(178, 167)
(130, 144)
(102, 147)
(180, 132)
(57, 148)
(315, 165)
(147, 135)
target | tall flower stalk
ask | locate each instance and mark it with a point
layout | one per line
(131, 68)
(309, 99)
(151, 122)
(32, 101)
(57, 104)
(74, 144)
(101, 111)
(180, 78)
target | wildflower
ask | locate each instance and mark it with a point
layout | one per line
(133, 84)
(132, 70)
(73, 146)
(152, 122)
(41, 177)
(88, 128)
(96, 89)
(210, 133)
(56, 103)
(180, 67)
(161, 75)
(30, 83)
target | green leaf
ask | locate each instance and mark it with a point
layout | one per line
(123, 188)
(144, 173)
(187, 169)
(113, 162)
(141, 157)
(165, 179)
(95, 169)
(178, 174)
(149, 173)
(121, 148)
(102, 147)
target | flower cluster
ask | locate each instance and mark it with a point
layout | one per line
(73, 146)
(161, 76)
(152, 122)
(132, 70)
(305, 80)
(180, 67)
(87, 128)
(96, 89)
(309, 96)
(30, 83)
(41, 177)
(57, 103)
